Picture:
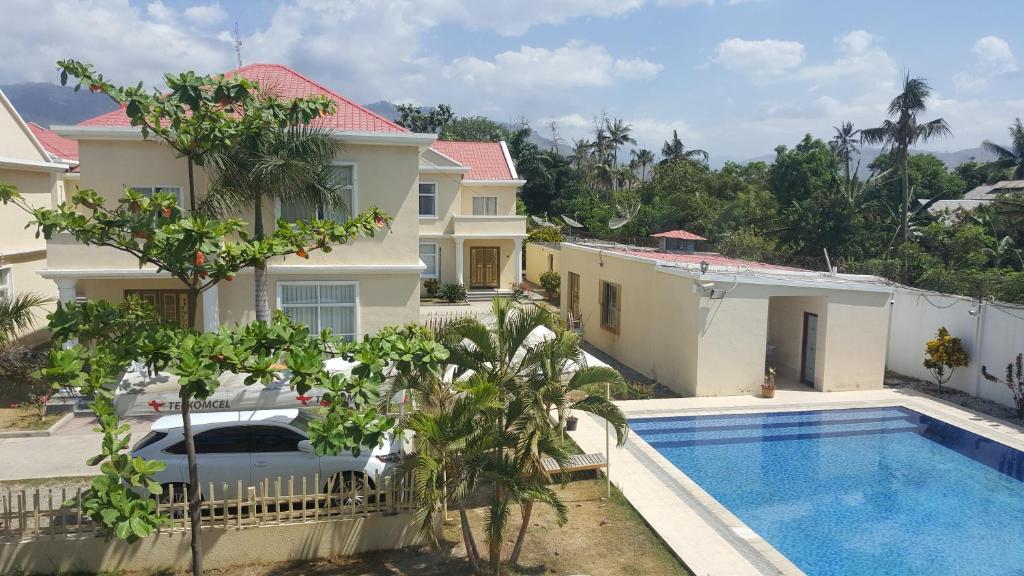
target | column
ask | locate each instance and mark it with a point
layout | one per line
(459, 250)
(518, 255)
(66, 289)
(211, 309)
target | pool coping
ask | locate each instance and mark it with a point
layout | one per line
(715, 541)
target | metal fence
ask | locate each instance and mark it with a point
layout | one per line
(52, 514)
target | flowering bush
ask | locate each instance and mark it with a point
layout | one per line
(36, 403)
(944, 353)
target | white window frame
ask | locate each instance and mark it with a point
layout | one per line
(475, 198)
(153, 187)
(358, 321)
(352, 210)
(420, 195)
(7, 287)
(437, 260)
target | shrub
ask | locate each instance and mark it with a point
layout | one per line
(545, 234)
(452, 292)
(943, 354)
(640, 391)
(432, 286)
(1014, 381)
(550, 282)
(519, 291)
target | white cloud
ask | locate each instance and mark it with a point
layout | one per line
(862, 64)
(206, 14)
(515, 18)
(648, 131)
(993, 57)
(688, 3)
(759, 58)
(157, 10)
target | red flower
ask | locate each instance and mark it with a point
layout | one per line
(379, 221)
(200, 258)
(301, 253)
(166, 212)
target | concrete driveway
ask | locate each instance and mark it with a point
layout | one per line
(62, 454)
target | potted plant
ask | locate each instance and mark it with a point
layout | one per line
(768, 387)
(570, 423)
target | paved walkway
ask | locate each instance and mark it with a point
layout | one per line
(702, 532)
(62, 454)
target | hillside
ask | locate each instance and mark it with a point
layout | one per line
(49, 104)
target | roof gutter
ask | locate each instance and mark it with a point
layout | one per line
(423, 141)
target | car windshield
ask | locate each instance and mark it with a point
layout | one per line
(302, 420)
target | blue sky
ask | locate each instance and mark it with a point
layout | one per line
(734, 77)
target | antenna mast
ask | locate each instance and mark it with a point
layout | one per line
(238, 46)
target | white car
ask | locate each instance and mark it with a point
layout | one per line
(256, 445)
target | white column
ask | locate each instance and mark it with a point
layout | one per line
(66, 289)
(211, 309)
(459, 278)
(518, 255)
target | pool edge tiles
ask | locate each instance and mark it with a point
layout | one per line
(702, 432)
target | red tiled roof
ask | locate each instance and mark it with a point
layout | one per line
(284, 82)
(55, 144)
(714, 260)
(680, 234)
(486, 160)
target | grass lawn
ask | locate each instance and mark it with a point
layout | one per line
(12, 419)
(602, 538)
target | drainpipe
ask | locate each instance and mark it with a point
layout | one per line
(979, 331)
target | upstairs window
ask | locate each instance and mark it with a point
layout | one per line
(321, 305)
(611, 306)
(429, 253)
(485, 206)
(341, 176)
(428, 200)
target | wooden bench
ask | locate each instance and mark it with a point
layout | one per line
(577, 463)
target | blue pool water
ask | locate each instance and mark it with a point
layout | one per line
(881, 491)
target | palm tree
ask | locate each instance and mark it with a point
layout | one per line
(291, 164)
(674, 149)
(844, 145)
(618, 135)
(18, 314)
(526, 372)
(902, 130)
(643, 158)
(581, 153)
(1011, 157)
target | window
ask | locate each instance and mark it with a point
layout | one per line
(274, 439)
(428, 200)
(430, 255)
(485, 206)
(611, 303)
(342, 176)
(227, 440)
(6, 285)
(152, 190)
(324, 305)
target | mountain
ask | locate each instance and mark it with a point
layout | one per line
(49, 104)
(868, 155)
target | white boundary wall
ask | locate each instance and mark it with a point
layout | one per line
(992, 337)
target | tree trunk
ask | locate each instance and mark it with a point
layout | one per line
(513, 560)
(494, 543)
(906, 210)
(260, 270)
(191, 187)
(467, 539)
(194, 500)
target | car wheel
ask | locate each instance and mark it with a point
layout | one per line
(347, 482)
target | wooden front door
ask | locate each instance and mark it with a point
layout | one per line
(171, 305)
(483, 267)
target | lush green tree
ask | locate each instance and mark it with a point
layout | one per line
(643, 158)
(619, 135)
(674, 149)
(902, 131)
(844, 145)
(474, 129)
(803, 171)
(1010, 158)
(422, 120)
(975, 173)
(289, 164)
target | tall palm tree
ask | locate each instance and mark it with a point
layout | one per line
(674, 149)
(844, 145)
(18, 314)
(581, 153)
(643, 158)
(618, 135)
(290, 164)
(1010, 157)
(903, 130)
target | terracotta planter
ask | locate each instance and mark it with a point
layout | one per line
(767, 391)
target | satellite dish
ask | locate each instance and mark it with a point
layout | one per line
(543, 222)
(572, 223)
(625, 215)
(617, 223)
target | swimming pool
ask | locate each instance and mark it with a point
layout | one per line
(874, 491)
